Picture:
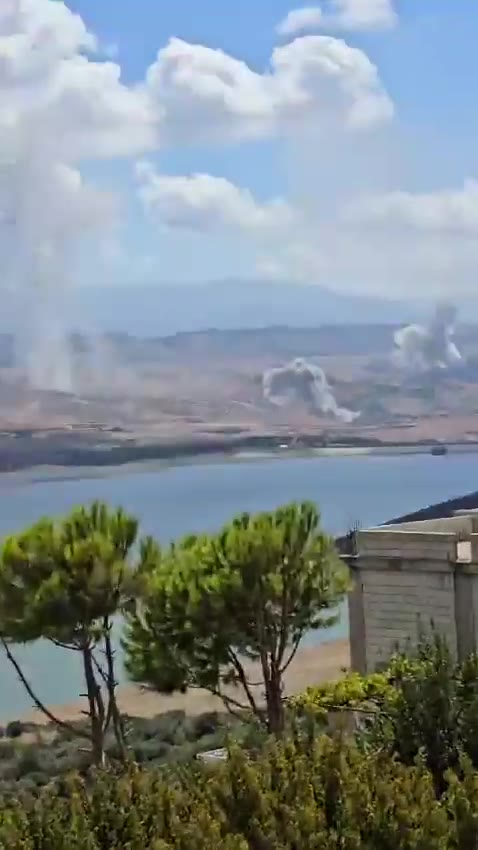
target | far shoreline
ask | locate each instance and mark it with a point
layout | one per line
(315, 665)
(49, 459)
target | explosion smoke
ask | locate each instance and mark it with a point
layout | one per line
(52, 118)
(424, 348)
(300, 381)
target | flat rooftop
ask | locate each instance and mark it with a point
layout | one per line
(454, 539)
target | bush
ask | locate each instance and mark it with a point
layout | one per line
(151, 750)
(352, 691)
(15, 729)
(207, 724)
(294, 795)
(7, 751)
(29, 760)
(432, 709)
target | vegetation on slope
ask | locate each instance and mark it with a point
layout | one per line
(406, 779)
(297, 794)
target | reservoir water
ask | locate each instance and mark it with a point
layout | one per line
(181, 499)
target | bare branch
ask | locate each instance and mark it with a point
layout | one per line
(37, 702)
(233, 706)
(241, 673)
(62, 645)
(292, 655)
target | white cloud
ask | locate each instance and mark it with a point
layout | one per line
(50, 89)
(386, 243)
(203, 94)
(61, 107)
(204, 203)
(389, 243)
(306, 19)
(362, 14)
(57, 108)
(341, 15)
(447, 212)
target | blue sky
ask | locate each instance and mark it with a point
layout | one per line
(429, 61)
(383, 208)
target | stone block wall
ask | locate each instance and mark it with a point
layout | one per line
(405, 579)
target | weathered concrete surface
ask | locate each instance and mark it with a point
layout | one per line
(409, 577)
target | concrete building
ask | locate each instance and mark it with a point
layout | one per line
(408, 576)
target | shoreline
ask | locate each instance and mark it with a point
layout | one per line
(49, 459)
(311, 666)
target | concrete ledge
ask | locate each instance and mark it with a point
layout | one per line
(400, 564)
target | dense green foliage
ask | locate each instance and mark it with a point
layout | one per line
(249, 593)
(424, 703)
(297, 795)
(64, 581)
(198, 614)
(432, 709)
(349, 692)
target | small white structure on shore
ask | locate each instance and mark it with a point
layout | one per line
(408, 576)
(213, 756)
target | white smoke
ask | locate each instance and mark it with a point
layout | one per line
(421, 348)
(58, 108)
(301, 381)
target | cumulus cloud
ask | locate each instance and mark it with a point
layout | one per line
(346, 15)
(202, 202)
(378, 259)
(363, 14)
(344, 223)
(203, 94)
(75, 106)
(445, 211)
(386, 243)
(306, 19)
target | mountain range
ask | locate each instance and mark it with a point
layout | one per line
(148, 310)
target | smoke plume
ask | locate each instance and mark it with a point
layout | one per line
(59, 108)
(421, 348)
(301, 381)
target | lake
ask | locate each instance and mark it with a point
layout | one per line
(183, 499)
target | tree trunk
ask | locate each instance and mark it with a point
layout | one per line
(274, 702)
(111, 684)
(96, 709)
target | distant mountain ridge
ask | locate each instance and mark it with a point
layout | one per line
(167, 309)
(152, 311)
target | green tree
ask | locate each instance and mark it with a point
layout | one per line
(65, 581)
(210, 605)
(431, 709)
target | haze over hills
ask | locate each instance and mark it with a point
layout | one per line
(163, 309)
(148, 310)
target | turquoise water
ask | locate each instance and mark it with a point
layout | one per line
(178, 500)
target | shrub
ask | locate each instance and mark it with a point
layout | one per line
(207, 724)
(29, 760)
(7, 751)
(15, 729)
(294, 795)
(352, 691)
(151, 750)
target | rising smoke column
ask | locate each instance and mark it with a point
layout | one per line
(301, 381)
(47, 211)
(59, 107)
(427, 347)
